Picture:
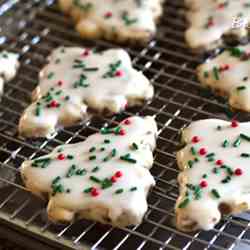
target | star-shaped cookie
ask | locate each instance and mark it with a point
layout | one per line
(215, 173)
(105, 178)
(79, 82)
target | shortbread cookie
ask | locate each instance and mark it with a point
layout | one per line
(105, 178)
(77, 81)
(228, 74)
(212, 19)
(117, 20)
(215, 173)
(8, 67)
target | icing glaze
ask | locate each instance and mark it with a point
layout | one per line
(210, 20)
(215, 173)
(8, 67)
(116, 19)
(105, 178)
(78, 79)
(229, 75)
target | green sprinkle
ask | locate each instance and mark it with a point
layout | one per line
(219, 127)
(135, 146)
(206, 74)
(133, 189)
(38, 111)
(119, 191)
(215, 193)
(215, 170)
(210, 159)
(225, 144)
(245, 155)
(113, 152)
(91, 150)
(184, 203)
(236, 52)
(68, 190)
(190, 164)
(210, 155)
(50, 75)
(58, 178)
(70, 157)
(204, 176)
(87, 190)
(237, 142)
(81, 172)
(245, 137)
(240, 88)
(94, 179)
(71, 171)
(216, 73)
(106, 183)
(193, 151)
(107, 141)
(58, 60)
(105, 159)
(127, 158)
(95, 169)
(91, 69)
(92, 157)
(102, 149)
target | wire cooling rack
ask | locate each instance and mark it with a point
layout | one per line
(33, 29)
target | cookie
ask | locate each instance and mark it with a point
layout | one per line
(228, 74)
(8, 67)
(80, 82)
(105, 178)
(212, 19)
(215, 173)
(116, 20)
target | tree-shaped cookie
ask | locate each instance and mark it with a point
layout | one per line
(117, 20)
(215, 173)
(8, 67)
(105, 178)
(212, 19)
(228, 74)
(78, 82)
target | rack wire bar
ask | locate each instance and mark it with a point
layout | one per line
(33, 28)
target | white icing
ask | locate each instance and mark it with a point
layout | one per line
(198, 36)
(123, 209)
(8, 67)
(109, 18)
(233, 82)
(235, 193)
(111, 93)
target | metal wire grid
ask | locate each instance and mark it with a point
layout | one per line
(33, 29)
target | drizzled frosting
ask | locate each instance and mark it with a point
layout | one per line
(211, 19)
(8, 67)
(229, 74)
(104, 178)
(215, 173)
(127, 18)
(78, 79)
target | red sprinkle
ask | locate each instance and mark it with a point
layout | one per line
(126, 105)
(203, 184)
(60, 83)
(195, 139)
(118, 73)
(219, 162)
(210, 23)
(118, 174)
(221, 6)
(61, 157)
(54, 104)
(238, 171)
(202, 151)
(95, 192)
(122, 132)
(108, 14)
(86, 52)
(234, 124)
(127, 122)
(113, 179)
